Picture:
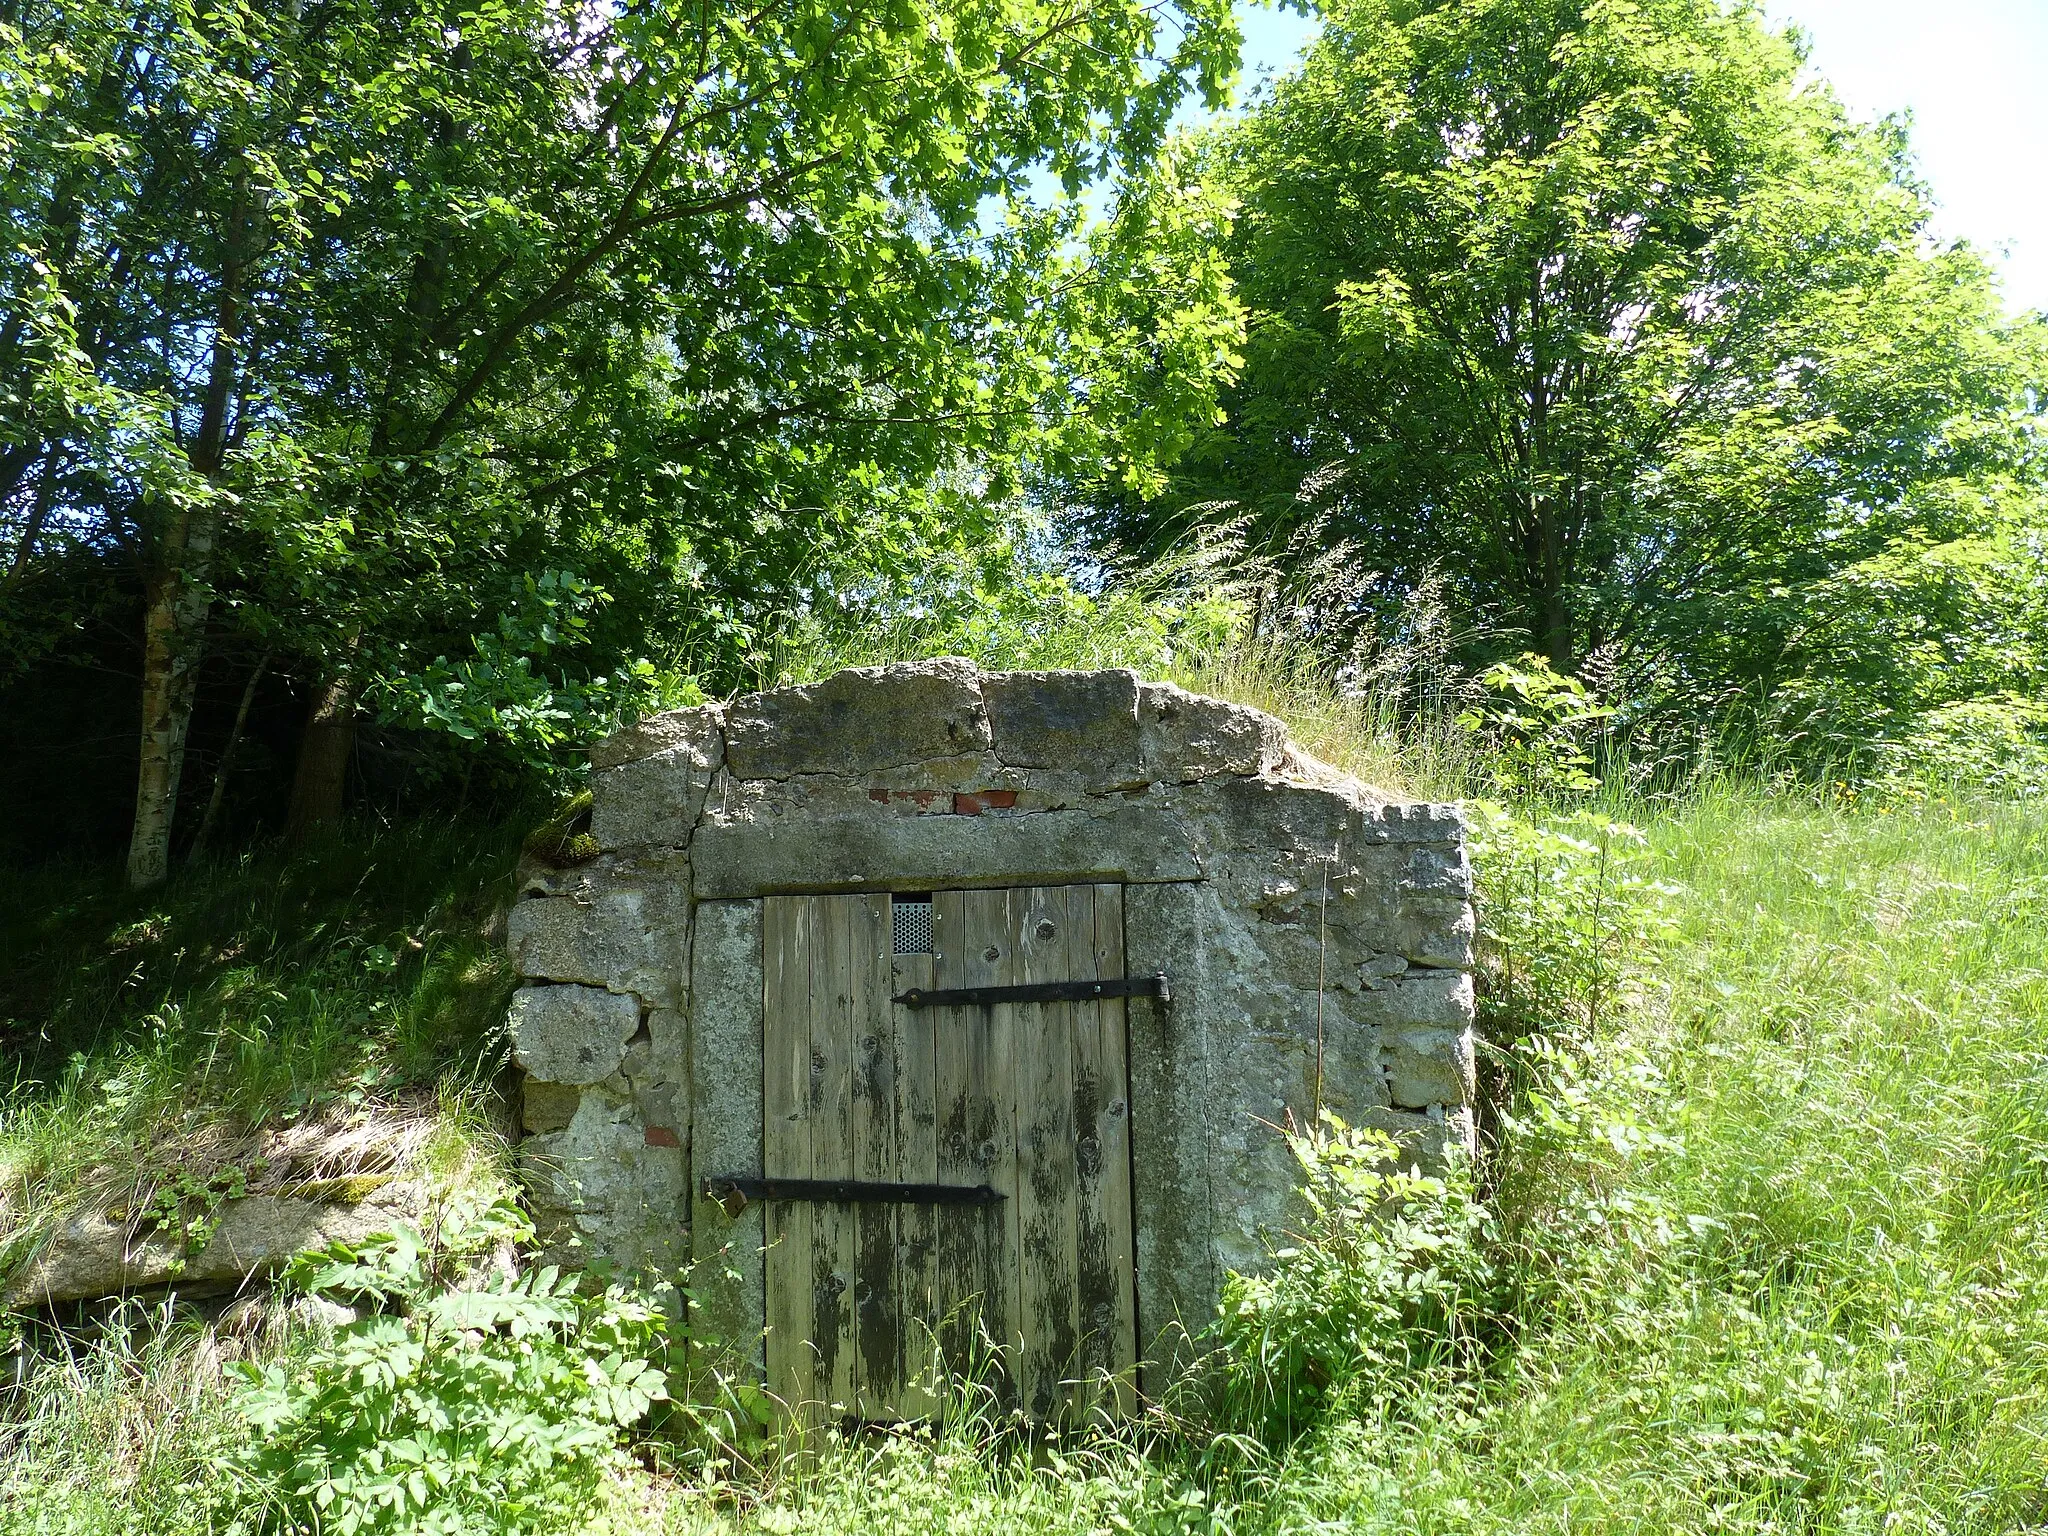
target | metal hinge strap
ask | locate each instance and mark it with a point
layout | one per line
(1035, 992)
(735, 1194)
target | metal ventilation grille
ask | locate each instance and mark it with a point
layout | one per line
(910, 917)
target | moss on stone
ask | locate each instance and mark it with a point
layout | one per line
(564, 839)
(352, 1190)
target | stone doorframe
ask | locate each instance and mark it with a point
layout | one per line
(1171, 1120)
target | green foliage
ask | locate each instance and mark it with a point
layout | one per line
(960, 1479)
(1206, 616)
(1610, 318)
(1017, 603)
(504, 366)
(1777, 1225)
(487, 1404)
(1934, 620)
(504, 691)
(1536, 726)
(1567, 903)
(1993, 747)
(171, 1206)
(1377, 1299)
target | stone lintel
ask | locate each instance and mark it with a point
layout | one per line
(1138, 845)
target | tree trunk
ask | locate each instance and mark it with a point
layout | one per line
(1557, 634)
(324, 752)
(178, 594)
(173, 634)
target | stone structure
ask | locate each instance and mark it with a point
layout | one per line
(1274, 892)
(98, 1254)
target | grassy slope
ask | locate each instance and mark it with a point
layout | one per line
(1815, 1294)
(359, 987)
(151, 1034)
(1782, 1255)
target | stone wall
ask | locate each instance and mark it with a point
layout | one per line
(1258, 881)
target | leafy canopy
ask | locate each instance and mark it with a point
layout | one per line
(1605, 312)
(462, 317)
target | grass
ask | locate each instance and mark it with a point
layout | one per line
(358, 984)
(122, 1434)
(1773, 1229)
(1781, 1234)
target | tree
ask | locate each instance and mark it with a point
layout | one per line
(1604, 311)
(361, 326)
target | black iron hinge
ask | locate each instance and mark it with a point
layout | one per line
(1036, 992)
(735, 1194)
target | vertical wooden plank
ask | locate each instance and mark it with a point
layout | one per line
(1107, 1267)
(1046, 1317)
(917, 1134)
(977, 1134)
(786, 942)
(1093, 1283)
(993, 918)
(877, 1303)
(831, 1100)
(956, 1294)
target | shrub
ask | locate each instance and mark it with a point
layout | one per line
(1380, 1291)
(1538, 727)
(487, 1404)
(1994, 746)
(1563, 903)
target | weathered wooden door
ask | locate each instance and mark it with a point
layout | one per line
(871, 1298)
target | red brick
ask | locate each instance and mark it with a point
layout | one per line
(983, 800)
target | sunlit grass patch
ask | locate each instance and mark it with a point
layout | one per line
(352, 996)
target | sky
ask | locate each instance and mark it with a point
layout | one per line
(1973, 73)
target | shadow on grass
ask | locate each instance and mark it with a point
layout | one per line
(143, 1029)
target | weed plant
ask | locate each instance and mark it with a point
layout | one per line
(1776, 1227)
(1377, 1300)
(1385, 708)
(465, 1398)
